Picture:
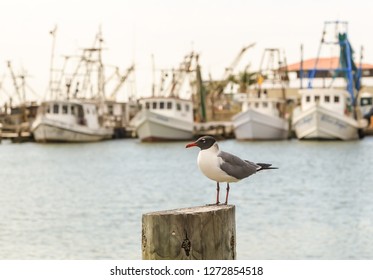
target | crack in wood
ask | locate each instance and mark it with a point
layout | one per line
(186, 245)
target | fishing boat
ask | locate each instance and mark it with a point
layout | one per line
(329, 113)
(260, 119)
(326, 114)
(164, 118)
(69, 121)
(168, 114)
(82, 104)
(19, 110)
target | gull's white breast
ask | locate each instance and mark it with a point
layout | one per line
(209, 164)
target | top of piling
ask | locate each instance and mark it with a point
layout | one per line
(192, 210)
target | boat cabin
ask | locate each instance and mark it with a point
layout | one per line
(71, 112)
(172, 107)
(266, 105)
(336, 100)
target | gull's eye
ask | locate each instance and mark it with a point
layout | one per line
(203, 140)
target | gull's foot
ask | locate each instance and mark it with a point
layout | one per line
(213, 204)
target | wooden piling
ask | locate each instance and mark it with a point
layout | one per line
(196, 233)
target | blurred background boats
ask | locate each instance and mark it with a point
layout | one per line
(244, 104)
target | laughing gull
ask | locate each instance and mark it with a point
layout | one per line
(221, 166)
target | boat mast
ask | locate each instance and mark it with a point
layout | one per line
(275, 71)
(301, 66)
(51, 67)
(101, 82)
(201, 91)
(15, 83)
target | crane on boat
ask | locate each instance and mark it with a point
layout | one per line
(229, 70)
(122, 79)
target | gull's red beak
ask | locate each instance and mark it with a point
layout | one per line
(191, 145)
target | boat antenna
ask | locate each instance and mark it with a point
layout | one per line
(153, 76)
(313, 72)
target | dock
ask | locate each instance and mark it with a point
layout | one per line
(16, 133)
(218, 129)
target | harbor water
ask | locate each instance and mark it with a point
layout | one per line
(85, 201)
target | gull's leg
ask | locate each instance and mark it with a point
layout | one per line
(217, 195)
(226, 196)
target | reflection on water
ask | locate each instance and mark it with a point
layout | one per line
(85, 201)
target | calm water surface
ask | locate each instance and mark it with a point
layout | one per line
(85, 201)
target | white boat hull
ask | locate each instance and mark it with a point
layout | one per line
(320, 123)
(151, 126)
(45, 130)
(254, 125)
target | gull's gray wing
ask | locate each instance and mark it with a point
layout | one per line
(236, 167)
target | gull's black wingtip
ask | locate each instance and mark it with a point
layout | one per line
(264, 166)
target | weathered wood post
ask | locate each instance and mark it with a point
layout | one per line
(196, 233)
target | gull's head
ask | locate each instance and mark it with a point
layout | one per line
(204, 143)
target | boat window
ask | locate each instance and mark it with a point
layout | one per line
(154, 105)
(366, 101)
(178, 106)
(55, 109)
(161, 105)
(64, 109)
(80, 112)
(147, 105)
(187, 108)
(327, 98)
(48, 109)
(169, 105)
(110, 109)
(265, 104)
(317, 98)
(308, 98)
(248, 104)
(72, 110)
(256, 104)
(336, 99)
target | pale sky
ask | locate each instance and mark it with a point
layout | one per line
(133, 30)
